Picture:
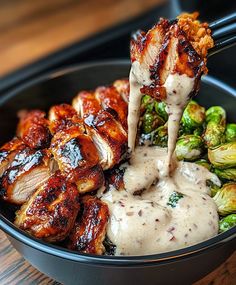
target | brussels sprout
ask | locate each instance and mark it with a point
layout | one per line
(198, 131)
(204, 163)
(230, 133)
(225, 199)
(160, 136)
(160, 108)
(189, 147)
(229, 174)
(215, 113)
(150, 122)
(227, 222)
(223, 156)
(216, 120)
(147, 103)
(193, 116)
(213, 187)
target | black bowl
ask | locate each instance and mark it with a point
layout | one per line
(182, 266)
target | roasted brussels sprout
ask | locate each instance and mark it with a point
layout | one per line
(160, 136)
(160, 108)
(225, 199)
(230, 133)
(193, 116)
(223, 156)
(215, 113)
(150, 122)
(228, 174)
(213, 187)
(215, 128)
(227, 222)
(147, 103)
(198, 131)
(189, 147)
(204, 163)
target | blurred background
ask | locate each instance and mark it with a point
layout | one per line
(37, 36)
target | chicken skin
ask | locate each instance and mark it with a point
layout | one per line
(63, 116)
(85, 103)
(89, 230)
(108, 136)
(26, 172)
(8, 152)
(77, 158)
(33, 129)
(51, 211)
(111, 101)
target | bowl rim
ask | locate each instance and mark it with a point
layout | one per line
(11, 230)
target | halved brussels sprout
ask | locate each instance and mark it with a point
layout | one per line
(189, 147)
(230, 133)
(193, 116)
(216, 121)
(160, 108)
(227, 222)
(147, 103)
(228, 174)
(223, 156)
(215, 113)
(214, 188)
(150, 122)
(225, 199)
(160, 136)
(198, 131)
(204, 163)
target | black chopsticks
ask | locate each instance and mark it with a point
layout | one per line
(223, 33)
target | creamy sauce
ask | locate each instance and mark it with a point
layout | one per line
(165, 204)
(138, 76)
(146, 224)
(178, 87)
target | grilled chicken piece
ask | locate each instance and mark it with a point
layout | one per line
(77, 158)
(122, 86)
(108, 136)
(115, 179)
(33, 129)
(85, 103)
(51, 211)
(27, 171)
(112, 102)
(89, 230)
(164, 50)
(63, 116)
(8, 152)
(91, 179)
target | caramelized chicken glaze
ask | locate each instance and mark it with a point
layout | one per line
(8, 152)
(51, 211)
(28, 169)
(110, 99)
(33, 129)
(89, 230)
(63, 116)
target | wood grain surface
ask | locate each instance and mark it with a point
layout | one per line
(14, 270)
(30, 29)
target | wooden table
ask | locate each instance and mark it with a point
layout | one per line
(32, 29)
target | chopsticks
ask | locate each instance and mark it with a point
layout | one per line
(223, 33)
